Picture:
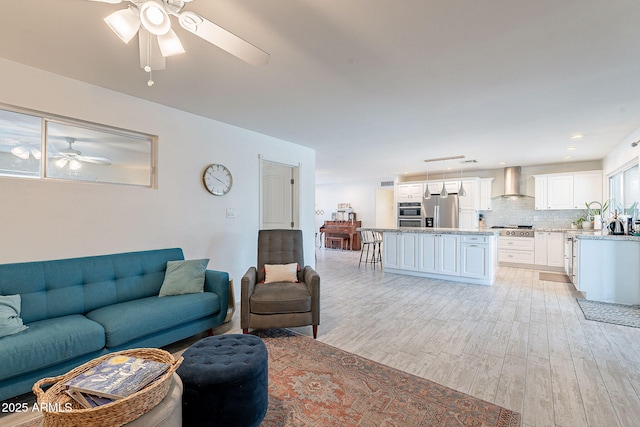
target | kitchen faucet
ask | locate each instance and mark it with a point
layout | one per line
(602, 220)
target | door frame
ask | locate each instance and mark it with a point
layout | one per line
(295, 197)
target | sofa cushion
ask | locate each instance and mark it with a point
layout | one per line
(47, 343)
(184, 277)
(280, 297)
(10, 321)
(131, 320)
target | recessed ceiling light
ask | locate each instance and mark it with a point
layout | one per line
(567, 157)
(577, 136)
(571, 148)
(502, 163)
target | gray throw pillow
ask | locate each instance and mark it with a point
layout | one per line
(10, 321)
(184, 277)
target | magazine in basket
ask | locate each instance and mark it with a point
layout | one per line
(117, 377)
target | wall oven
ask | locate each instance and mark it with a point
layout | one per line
(410, 214)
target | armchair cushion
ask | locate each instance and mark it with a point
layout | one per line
(281, 272)
(280, 298)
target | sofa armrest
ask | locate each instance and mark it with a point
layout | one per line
(246, 289)
(312, 280)
(218, 283)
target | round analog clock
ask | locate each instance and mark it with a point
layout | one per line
(217, 179)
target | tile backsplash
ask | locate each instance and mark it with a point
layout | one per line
(521, 211)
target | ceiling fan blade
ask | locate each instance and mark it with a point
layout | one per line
(150, 53)
(222, 38)
(94, 160)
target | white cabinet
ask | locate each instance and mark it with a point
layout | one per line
(549, 249)
(518, 250)
(391, 251)
(409, 251)
(469, 258)
(567, 190)
(541, 193)
(560, 192)
(410, 192)
(475, 260)
(428, 253)
(433, 253)
(449, 259)
(468, 220)
(486, 191)
(471, 201)
(587, 187)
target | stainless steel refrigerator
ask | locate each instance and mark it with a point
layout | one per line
(441, 212)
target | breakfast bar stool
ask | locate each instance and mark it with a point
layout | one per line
(373, 239)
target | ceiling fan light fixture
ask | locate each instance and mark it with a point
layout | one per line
(74, 165)
(20, 152)
(61, 162)
(125, 23)
(154, 18)
(170, 44)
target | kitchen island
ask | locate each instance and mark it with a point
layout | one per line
(460, 255)
(607, 267)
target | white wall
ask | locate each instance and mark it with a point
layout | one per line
(46, 219)
(361, 195)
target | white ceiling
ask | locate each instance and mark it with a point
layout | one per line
(376, 86)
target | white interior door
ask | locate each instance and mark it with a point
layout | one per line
(384, 208)
(279, 195)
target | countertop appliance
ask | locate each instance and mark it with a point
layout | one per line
(616, 226)
(441, 212)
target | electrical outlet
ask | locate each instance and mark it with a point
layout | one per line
(555, 218)
(535, 218)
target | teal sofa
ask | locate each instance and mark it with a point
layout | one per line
(80, 308)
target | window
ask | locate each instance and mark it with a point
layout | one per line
(35, 145)
(624, 190)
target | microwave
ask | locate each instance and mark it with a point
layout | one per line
(410, 210)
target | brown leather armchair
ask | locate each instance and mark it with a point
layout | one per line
(280, 304)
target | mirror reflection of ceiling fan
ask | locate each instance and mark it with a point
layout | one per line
(157, 40)
(72, 157)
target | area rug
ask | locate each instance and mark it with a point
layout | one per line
(554, 277)
(312, 384)
(618, 314)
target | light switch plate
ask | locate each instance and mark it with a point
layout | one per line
(231, 213)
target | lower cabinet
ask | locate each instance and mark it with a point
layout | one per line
(549, 249)
(439, 255)
(475, 260)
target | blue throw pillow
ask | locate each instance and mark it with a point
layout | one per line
(184, 277)
(10, 321)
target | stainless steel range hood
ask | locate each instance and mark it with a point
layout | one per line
(512, 182)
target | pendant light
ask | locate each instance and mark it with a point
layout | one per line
(461, 192)
(427, 193)
(443, 193)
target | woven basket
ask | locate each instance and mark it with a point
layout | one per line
(54, 402)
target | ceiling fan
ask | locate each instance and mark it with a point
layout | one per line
(73, 157)
(150, 19)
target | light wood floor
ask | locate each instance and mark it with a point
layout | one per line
(521, 343)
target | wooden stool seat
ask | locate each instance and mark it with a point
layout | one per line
(329, 240)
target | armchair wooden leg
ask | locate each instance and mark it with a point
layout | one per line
(315, 331)
(245, 331)
(210, 332)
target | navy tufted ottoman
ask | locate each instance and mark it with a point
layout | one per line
(225, 381)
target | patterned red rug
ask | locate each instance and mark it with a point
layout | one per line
(314, 384)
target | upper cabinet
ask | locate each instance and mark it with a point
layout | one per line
(410, 192)
(486, 190)
(567, 190)
(471, 200)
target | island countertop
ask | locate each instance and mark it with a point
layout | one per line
(431, 230)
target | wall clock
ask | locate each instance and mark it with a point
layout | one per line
(217, 179)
